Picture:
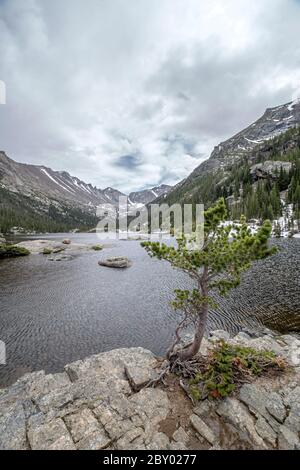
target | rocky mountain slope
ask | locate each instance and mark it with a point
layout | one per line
(274, 122)
(148, 195)
(44, 183)
(39, 191)
(248, 145)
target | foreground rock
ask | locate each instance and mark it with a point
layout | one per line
(89, 406)
(96, 403)
(116, 262)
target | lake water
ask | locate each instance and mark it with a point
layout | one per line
(52, 313)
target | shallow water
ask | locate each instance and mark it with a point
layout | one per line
(52, 313)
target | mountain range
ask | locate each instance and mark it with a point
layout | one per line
(55, 194)
(48, 185)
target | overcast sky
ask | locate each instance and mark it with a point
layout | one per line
(135, 93)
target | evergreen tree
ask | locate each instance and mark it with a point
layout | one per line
(227, 251)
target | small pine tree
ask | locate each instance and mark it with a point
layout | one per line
(227, 251)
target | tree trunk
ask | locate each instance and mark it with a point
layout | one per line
(193, 349)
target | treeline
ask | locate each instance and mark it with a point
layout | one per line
(261, 199)
(17, 210)
(294, 191)
(255, 199)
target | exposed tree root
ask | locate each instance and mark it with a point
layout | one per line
(217, 375)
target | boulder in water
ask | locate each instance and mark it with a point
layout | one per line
(116, 262)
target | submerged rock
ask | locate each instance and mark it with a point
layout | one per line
(62, 257)
(116, 262)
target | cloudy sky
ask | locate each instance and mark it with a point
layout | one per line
(134, 93)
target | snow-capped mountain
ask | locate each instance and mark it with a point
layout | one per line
(247, 143)
(37, 198)
(47, 185)
(148, 195)
(272, 123)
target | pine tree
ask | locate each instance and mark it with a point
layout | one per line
(227, 251)
(296, 204)
(275, 200)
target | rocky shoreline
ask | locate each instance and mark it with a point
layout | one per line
(93, 405)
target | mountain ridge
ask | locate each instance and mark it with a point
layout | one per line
(31, 179)
(53, 197)
(245, 144)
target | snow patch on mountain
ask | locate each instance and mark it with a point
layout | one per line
(52, 179)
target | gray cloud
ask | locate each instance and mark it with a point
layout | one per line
(129, 162)
(132, 94)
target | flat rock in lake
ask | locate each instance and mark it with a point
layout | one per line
(52, 246)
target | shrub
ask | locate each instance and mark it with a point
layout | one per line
(97, 247)
(47, 251)
(227, 367)
(12, 251)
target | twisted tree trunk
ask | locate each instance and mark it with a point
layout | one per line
(193, 349)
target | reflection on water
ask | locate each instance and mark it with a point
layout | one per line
(52, 313)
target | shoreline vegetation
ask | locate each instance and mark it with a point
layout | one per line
(12, 251)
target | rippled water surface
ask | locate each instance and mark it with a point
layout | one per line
(52, 313)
